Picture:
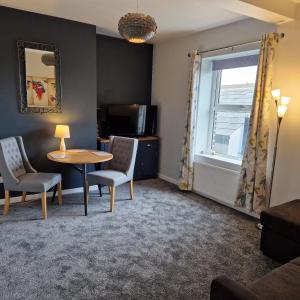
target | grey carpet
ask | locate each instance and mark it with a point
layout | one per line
(163, 245)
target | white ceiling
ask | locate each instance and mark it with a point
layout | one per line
(174, 17)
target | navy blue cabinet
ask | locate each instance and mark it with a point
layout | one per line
(146, 165)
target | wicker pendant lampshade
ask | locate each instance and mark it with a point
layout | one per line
(137, 27)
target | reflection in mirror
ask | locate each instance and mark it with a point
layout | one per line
(39, 77)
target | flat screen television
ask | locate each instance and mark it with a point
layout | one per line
(127, 120)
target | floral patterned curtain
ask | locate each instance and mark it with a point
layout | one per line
(187, 161)
(252, 191)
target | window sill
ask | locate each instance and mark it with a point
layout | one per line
(219, 161)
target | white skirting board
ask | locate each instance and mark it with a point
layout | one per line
(49, 194)
(174, 181)
(227, 204)
(168, 179)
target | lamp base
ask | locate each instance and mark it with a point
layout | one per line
(62, 145)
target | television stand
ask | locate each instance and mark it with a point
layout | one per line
(147, 158)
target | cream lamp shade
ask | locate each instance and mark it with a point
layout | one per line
(62, 132)
(285, 100)
(276, 94)
(282, 106)
(281, 103)
(281, 110)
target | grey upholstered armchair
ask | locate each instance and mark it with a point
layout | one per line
(18, 175)
(120, 168)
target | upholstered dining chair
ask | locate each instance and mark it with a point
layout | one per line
(120, 168)
(19, 176)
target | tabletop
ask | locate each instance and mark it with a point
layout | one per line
(79, 156)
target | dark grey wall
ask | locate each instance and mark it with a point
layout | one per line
(77, 44)
(124, 71)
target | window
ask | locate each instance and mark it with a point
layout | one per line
(226, 104)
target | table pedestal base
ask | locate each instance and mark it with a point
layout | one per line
(84, 185)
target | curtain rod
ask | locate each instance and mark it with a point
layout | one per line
(280, 35)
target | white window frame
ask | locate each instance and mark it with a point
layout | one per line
(202, 155)
(216, 107)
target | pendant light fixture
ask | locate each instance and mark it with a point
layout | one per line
(137, 27)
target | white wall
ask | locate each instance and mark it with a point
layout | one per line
(169, 92)
(286, 184)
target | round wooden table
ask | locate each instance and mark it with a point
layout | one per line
(75, 157)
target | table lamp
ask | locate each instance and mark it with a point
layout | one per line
(62, 132)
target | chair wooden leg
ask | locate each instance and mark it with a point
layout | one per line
(23, 197)
(7, 202)
(109, 189)
(59, 190)
(44, 205)
(112, 198)
(131, 189)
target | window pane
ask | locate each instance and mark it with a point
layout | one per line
(230, 133)
(237, 86)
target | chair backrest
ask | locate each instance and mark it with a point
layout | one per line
(124, 154)
(13, 161)
(11, 157)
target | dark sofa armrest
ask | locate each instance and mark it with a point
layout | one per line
(223, 288)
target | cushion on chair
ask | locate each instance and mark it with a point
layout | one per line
(283, 219)
(296, 261)
(107, 178)
(13, 156)
(223, 288)
(38, 182)
(121, 150)
(281, 283)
